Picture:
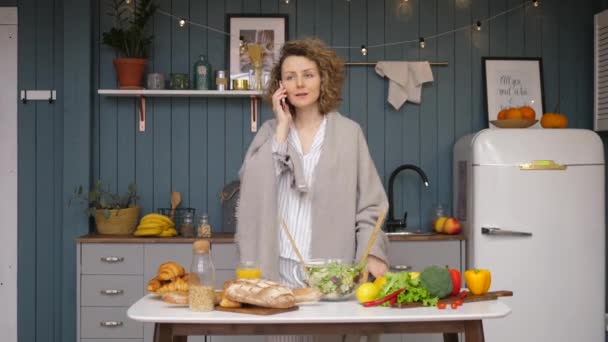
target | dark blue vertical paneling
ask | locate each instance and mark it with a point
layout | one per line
(291, 10)
(251, 7)
(271, 6)
(234, 119)
(161, 109)
(395, 29)
(568, 58)
(216, 128)
(339, 37)
(446, 109)
(480, 48)
(428, 117)
(410, 127)
(584, 88)
(551, 54)
(498, 28)
(108, 109)
(376, 87)
(322, 21)
(125, 133)
(464, 42)
(45, 298)
(532, 31)
(357, 76)
(198, 115)
(305, 26)
(97, 9)
(515, 27)
(180, 156)
(26, 164)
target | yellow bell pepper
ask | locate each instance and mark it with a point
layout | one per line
(478, 281)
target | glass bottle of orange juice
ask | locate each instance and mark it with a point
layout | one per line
(248, 270)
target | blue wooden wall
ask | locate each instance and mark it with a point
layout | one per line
(196, 145)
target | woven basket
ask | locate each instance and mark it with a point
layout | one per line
(120, 222)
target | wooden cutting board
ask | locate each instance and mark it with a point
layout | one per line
(256, 310)
(493, 295)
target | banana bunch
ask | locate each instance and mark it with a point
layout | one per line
(155, 225)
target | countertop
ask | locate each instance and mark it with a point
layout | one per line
(151, 309)
(229, 238)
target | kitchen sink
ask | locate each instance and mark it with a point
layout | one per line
(409, 232)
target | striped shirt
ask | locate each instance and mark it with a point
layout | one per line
(295, 206)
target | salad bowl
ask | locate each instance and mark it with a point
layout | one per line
(336, 279)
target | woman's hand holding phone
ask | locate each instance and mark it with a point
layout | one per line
(282, 113)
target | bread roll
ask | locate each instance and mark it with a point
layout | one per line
(261, 293)
(307, 294)
(176, 297)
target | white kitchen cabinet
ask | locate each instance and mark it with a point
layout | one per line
(113, 274)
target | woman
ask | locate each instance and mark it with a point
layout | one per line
(310, 167)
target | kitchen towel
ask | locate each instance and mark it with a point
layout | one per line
(405, 80)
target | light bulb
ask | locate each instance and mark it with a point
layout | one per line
(363, 50)
(421, 40)
(535, 3)
(287, 2)
(182, 23)
(478, 26)
(127, 2)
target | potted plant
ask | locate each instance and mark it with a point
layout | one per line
(130, 40)
(113, 214)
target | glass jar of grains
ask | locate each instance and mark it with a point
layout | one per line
(203, 230)
(201, 283)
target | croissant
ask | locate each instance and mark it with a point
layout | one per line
(153, 285)
(169, 271)
(177, 285)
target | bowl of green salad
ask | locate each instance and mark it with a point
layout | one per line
(336, 279)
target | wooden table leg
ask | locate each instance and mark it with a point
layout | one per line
(162, 332)
(473, 331)
(450, 337)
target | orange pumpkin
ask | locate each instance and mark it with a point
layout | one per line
(554, 120)
(527, 112)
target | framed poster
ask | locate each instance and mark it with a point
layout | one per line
(267, 30)
(513, 83)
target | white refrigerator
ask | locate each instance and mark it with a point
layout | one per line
(532, 205)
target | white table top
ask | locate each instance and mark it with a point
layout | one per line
(151, 309)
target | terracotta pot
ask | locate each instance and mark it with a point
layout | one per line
(119, 222)
(130, 72)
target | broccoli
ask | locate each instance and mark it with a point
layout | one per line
(437, 281)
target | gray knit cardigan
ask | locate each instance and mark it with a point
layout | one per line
(347, 197)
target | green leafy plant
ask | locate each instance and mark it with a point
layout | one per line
(101, 198)
(128, 37)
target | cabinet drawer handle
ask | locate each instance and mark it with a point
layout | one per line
(112, 259)
(111, 292)
(110, 324)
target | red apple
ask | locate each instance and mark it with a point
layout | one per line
(451, 226)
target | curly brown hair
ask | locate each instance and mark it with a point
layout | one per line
(331, 70)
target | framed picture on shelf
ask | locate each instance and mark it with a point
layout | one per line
(513, 83)
(267, 32)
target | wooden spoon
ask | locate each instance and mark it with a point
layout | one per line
(176, 199)
(370, 243)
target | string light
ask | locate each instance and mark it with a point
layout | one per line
(128, 2)
(363, 50)
(242, 44)
(287, 2)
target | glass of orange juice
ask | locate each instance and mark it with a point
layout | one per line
(248, 270)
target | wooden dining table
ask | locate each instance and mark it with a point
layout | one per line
(175, 322)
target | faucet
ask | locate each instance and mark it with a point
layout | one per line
(392, 224)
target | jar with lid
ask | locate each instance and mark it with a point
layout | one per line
(187, 227)
(203, 230)
(201, 282)
(202, 73)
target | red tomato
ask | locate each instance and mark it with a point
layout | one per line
(454, 305)
(458, 302)
(441, 306)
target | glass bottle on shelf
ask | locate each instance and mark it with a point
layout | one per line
(202, 73)
(187, 227)
(439, 213)
(201, 282)
(204, 228)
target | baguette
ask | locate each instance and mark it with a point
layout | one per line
(260, 292)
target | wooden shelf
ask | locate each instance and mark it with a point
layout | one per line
(179, 93)
(253, 95)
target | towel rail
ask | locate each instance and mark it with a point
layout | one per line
(374, 63)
